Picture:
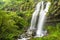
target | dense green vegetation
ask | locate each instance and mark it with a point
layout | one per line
(53, 33)
(15, 17)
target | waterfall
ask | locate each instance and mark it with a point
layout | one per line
(42, 16)
(40, 10)
(34, 19)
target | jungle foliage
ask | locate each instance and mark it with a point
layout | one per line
(15, 17)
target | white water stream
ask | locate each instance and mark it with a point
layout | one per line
(42, 16)
(41, 10)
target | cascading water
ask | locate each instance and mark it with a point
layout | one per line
(34, 19)
(41, 10)
(39, 32)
